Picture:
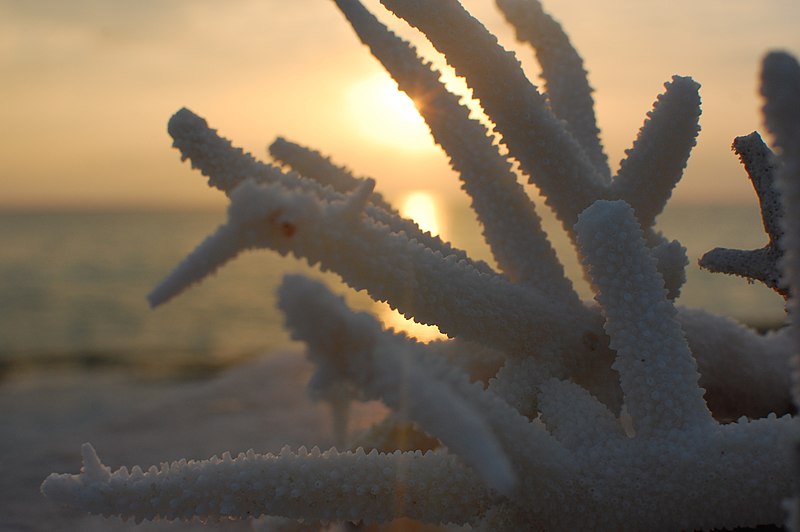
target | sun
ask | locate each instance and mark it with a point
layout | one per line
(382, 114)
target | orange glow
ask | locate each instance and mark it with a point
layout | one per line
(383, 114)
(87, 92)
(394, 320)
(421, 206)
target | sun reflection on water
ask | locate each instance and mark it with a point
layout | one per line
(423, 207)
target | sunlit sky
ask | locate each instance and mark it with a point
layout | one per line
(88, 87)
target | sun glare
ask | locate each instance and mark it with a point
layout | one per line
(385, 115)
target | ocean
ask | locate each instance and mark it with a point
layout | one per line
(73, 286)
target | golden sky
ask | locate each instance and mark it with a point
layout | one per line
(88, 87)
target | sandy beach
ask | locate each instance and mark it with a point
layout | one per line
(46, 417)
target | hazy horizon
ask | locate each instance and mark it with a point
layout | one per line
(90, 85)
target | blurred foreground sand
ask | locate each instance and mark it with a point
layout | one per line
(45, 418)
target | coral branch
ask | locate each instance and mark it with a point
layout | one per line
(575, 418)
(390, 266)
(671, 261)
(351, 346)
(641, 322)
(546, 151)
(313, 165)
(758, 264)
(308, 485)
(227, 166)
(215, 251)
(537, 435)
(566, 80)
(744, 373)
(780, 86)
(655, 163)
(762, 168)
(511, 226)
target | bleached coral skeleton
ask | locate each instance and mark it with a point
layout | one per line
(615, 416)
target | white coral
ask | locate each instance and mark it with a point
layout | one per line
(598, 417)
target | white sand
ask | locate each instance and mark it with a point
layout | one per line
(44, 419)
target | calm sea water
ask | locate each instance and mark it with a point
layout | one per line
(73, 285)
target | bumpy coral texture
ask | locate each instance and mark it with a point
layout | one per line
(541, 411)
